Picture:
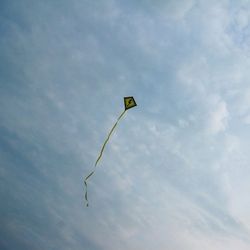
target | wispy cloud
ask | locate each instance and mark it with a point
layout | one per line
(175, 173)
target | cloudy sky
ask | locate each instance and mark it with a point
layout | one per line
(175, 174)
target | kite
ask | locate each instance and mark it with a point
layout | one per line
(129, 102)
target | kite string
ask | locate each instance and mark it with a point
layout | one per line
(99, 157)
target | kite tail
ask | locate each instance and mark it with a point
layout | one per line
(99, 157)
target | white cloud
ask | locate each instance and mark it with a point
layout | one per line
(242, 19)
(178, 9)
(218, 117)
(247, 119)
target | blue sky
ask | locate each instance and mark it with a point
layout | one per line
(175, 174)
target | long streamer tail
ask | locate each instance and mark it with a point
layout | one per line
(99, 157)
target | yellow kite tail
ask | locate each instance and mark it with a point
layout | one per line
(99, 157)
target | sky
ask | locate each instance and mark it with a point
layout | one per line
(175, 173)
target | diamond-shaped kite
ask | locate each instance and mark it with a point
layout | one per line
(129, 102)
